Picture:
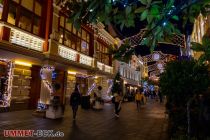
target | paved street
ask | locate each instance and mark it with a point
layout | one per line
(148, 124)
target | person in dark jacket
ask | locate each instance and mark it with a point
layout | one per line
(75, 100)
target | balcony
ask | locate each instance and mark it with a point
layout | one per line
(84, 59)
(108, 69)
(105, 68)
(67, 53)
(75, 56)
(100, 65)
(57, 49)
(20, 37)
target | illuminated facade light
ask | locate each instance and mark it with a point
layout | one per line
(71, 54)
(100, 65)
(72, 72)
(67, 53)
(84, 59)
(108, 69)
(26, 40)
(23, 63)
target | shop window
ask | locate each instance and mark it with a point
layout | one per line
(25, 20)
(28, 4)
(12, 14)
(38, 8)
(36, 26)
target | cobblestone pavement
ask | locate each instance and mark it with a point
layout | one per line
(149, 123)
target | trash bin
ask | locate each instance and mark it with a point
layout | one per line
(85, 102)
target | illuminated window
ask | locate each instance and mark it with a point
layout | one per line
(26, 14)
(25, 20)
(62, 21)
(69, 26)
(36, 26)
(83, 34)
(28, 4)
(12, 14)
(102, 51)
(38, 8)
(76, 39)
(74, 30)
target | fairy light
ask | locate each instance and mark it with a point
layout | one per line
(91, 88)
(5, 102)
(47, 83)
(110, 87)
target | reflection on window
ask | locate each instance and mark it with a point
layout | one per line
(12, 14)
(25, 20)
(28, 4)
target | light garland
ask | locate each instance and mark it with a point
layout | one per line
(91, 88)
(110, 81)
(5, 101)
(41, 106)
(43, 77)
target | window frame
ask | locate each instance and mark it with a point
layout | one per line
(102, 48)
(77, 35)
(19, 9)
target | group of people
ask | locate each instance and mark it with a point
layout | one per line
(140, 99)
(156, 94)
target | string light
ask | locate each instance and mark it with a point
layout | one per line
(91, 88)
(46, 82)
(5, 101)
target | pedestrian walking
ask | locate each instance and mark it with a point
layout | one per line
(117, 103)
(75, 100)
(139, 99)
